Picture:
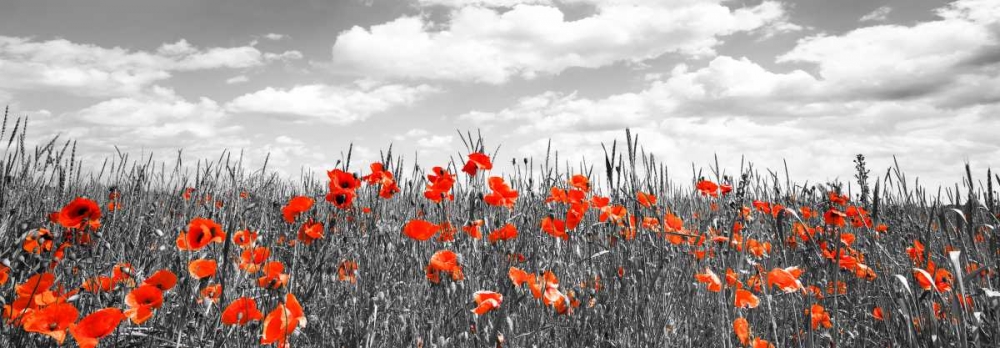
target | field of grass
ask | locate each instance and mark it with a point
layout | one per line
(617, 255)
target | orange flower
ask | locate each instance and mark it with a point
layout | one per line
(746, 299)
(759, 343)
(787, 279)
(78, 211)
(834, 217)
(819, 317)
(163, 279)
(486, 301)
(187, 193)
(877, 313)
(420, 230)
(924, 279)
(742, 329)
(241, 311)
(472, 229)
(837, 199)
(251, 260)
(555, 227)
(98, 284)
(37, 284)
(709, 277)
(439, 187)
(310, 231)
(519, 276)
(580, 182)
(203, 231)
(52, 321)
(37, 241)
(96, 326)
(122, 273)
(202, 268)
(916, 252)
(615, 213)
(384, 178)
(273, 277)
(4, 274)
(502, 195)
(507, 232)
(477, 161)
(244, 238)
(296, 205)
(708, 188)
(348, 271)
(210, 293)
(645, 199)
(444, 261)
(142, 301)
(281, 322)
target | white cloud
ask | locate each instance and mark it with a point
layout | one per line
(928, 93)
(275, 36)
(483, 44)
(441, 142)
(956, 55)
(237, 79)
(160, 115)
(90, 70)
(334, 104)
(413, 133)
(878, 15)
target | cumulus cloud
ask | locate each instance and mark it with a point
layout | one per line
(926, 92)
(485, 44)
(237, 79)
(95, 71)
(330, 103)
(878, 15)
(956, 55)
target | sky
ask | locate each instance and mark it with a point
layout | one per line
(810, 83)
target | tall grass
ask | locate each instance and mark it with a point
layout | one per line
(654, 302)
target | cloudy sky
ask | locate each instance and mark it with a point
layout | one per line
(812, 82)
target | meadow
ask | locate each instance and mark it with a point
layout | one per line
(393, 254)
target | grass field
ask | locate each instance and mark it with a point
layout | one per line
(212, 254)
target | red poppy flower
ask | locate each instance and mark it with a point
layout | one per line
(296, 205)
(348, 271)
(141, 301)
(274, 277)
(746, 299)
(580, 182)
(472, 229)
(742, 329)
(707, 188)
(281, 322)
(420, 230)
(444, 261)
(710, 278)
(310, 231)
(74, 214)
(440, 184)
(96, 326)
(163, 279)
(203, 231)
(52, 321)
(502, 195)
(241, 311)
(252, 260)
(555, 227)
(786, 279)
(645, 199)
(244, 238)
(477, 161)
(507, 232)
(486, 301)
(202, 268)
